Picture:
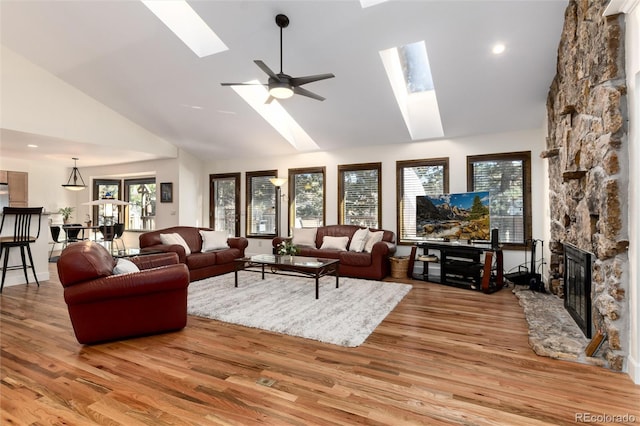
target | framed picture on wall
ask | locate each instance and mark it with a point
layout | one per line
(166, 192)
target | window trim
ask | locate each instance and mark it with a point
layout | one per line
(291, 206)
(525, 157)
(237, 177)
(125, 197)
(95, 211)
(248, 197)
(400, 166)
(342, 169)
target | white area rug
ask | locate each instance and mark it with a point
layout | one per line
(342, 316)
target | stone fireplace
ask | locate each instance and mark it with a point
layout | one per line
(587, 151)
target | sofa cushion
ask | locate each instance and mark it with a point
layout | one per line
(227, 255)
(334, 243)
(175, 238)
(314, 252)
(201, 260)
(350, 258)
(374, 237)
(214, 240)
(359, 240)
(125, 266)
(304, 237)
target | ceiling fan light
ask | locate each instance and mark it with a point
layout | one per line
(281, 92)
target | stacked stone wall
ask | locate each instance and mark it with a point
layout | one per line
(588, 167)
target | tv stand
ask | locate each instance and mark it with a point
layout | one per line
(462, 265)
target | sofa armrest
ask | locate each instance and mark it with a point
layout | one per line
(155, 260)
(382, 249)
(162, 279)
(239, 243)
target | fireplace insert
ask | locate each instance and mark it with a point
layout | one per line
(577, 287)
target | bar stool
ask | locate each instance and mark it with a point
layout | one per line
(22, 218)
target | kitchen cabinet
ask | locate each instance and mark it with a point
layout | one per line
(18, 185)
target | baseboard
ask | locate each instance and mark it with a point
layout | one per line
(633, 369)
(16, 277)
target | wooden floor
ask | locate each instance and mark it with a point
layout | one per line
(443, 356)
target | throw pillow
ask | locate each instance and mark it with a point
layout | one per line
(358, 240)
(374, 237)
(171, 239)
(334, 243)
(304, 237)
(214, 240)
(125, 266)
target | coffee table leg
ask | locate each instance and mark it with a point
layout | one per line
(317, 286)
(337, 272)
(235, 271)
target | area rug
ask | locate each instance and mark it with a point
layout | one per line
(343, 316)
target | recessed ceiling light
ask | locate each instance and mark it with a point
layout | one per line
(32, 145)
(187, 25)
(498, 48)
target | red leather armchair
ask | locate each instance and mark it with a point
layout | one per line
(104, 306)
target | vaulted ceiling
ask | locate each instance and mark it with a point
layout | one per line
(120, 54)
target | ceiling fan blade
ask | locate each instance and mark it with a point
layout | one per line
(242, 84)
(267, 70)
(305, 92)
(299, 81)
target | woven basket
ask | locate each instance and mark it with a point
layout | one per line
(399, 266)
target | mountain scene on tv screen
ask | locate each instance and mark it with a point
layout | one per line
(463, 216)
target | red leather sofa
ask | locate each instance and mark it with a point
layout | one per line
(201, 265)
(374, 265)
(104, 306)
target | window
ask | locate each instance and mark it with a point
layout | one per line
(141, 212)
(359, 192)
(261, 204)
(307, 197)
(106, 188)
(507, 177)
(224, 199)
(416, 178)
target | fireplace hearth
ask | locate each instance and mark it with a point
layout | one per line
(577, 287)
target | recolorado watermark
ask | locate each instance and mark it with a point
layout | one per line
(605, 418)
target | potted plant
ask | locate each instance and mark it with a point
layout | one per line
(66, 213)
(287, 249)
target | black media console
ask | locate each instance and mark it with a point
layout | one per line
(462, 265)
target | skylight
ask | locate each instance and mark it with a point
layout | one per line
(187, 25)
(410, 78)
(368, 3)
(276, 116)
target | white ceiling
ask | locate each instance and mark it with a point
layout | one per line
(119, 53)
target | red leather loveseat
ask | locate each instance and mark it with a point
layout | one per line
(105, 306)
(373, 264)
(201, 264)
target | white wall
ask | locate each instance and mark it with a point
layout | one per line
(457, 150)
(37, 102)
(632, 49)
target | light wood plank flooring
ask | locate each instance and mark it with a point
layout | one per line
(443, 356)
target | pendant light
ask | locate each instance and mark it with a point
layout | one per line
(75, 175)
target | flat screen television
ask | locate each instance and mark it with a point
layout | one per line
(461, 216)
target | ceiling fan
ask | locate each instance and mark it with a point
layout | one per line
(281, 85)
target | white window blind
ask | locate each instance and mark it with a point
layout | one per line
(360, 198)
(417, 180)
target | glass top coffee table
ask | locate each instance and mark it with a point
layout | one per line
(313, 267)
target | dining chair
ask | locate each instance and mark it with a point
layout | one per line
(23, 229)
(55, 236)
(108, 234)
(73, 231)
(119, 232)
